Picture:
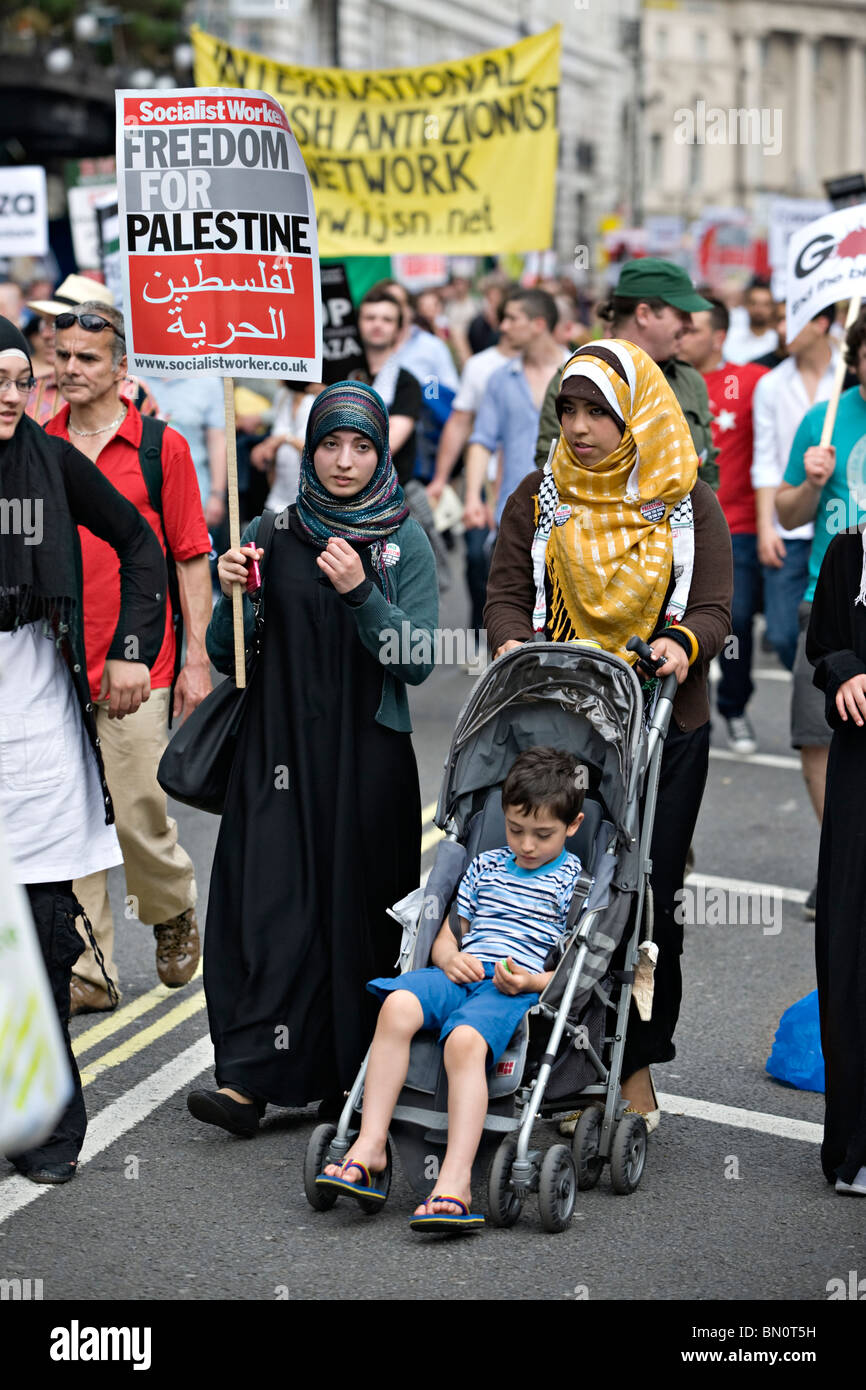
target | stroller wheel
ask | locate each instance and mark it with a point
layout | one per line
(557, 1188)
(370, 1206)
(319, 1198)
(503, 1205)
(628, 1154)
(584, 1148)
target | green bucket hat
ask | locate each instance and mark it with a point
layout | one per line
(649, 278)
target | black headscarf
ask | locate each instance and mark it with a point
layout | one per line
(37, 571)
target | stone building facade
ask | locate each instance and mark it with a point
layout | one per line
(774, 94)
(599, 152)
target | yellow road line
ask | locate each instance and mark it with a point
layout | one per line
(427, 812)
(193, 1004)
(121, 1017)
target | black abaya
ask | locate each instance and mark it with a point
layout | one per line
(320, 835)
(836, 645)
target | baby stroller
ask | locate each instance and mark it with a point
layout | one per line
(567, 1054)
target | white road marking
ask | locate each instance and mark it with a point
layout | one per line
(744, 885)
(118, 1117)
(731, 1115)
(764, 673)
(756, 759)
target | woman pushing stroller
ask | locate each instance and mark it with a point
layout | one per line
(616, 538)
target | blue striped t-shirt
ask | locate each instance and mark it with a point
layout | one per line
(515, 912)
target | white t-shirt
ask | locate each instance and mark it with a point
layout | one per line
(50, 793)
(778, 405)
(475, 376)
(293, 412)
(742, 345)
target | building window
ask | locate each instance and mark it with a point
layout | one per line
(655, 161)
(662, 42)
(695, 166)
(701, 46)
(585, 156)
(581, 219)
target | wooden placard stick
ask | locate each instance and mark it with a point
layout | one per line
(833, 403)
(234, 529)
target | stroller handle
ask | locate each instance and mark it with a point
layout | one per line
(651, 665)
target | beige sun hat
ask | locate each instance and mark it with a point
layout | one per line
(76, 289)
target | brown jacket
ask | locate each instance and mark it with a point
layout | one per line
(511, 591)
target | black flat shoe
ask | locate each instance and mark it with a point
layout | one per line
(331, 1108)
(213, 1108)
(55, 1173)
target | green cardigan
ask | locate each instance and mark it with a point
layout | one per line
(401, 635)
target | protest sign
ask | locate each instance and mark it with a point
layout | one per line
(786, 216)
(87, 181)
(220, 251)
(341, 345)
(23, 211)
(453, 157)
(826, 263)
(35, 1080)
(420, 272)
(218, 236)
(108, 236)
(82, 203)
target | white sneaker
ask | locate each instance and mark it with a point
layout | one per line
(741, 735)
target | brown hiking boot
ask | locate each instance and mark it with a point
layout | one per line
(86, 998)
(177, 949)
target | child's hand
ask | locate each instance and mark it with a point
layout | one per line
(515, 980)
(463, 969)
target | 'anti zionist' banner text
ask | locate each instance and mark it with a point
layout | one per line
(218, 231)
(457, 158)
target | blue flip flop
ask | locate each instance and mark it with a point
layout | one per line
(366, 1188)
(447, 1221)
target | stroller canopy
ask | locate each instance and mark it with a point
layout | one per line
(554, 694)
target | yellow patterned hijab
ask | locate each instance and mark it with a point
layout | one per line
(611, 547)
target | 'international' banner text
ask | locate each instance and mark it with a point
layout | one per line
(456, 158)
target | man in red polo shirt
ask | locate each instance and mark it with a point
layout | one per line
(90, 362)
(730, 388)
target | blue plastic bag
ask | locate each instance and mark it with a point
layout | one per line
(796, 1058)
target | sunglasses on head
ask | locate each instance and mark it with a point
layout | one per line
(92, 323)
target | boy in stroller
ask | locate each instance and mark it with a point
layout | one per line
(513, 905)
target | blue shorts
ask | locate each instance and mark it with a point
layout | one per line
(447, 1005)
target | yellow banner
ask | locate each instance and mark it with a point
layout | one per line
(458, 158)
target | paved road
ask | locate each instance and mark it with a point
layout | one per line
(732, 1205)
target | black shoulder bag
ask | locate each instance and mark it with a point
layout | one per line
(197, 763)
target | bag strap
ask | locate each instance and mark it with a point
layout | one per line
(264, 536)
(150, 463)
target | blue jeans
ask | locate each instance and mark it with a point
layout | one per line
(735, 687)
(783, 593)
(477, 570)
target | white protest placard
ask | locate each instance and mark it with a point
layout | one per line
(35, 1079)
(786, 216)
(23, 211)
(826, 263)
(83, 201)
(217, 235)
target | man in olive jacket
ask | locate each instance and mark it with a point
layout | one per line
(652, 307)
